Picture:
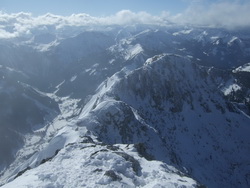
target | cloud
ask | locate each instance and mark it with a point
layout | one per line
(223, 14)
(228, 14)
(127, 17)
(23, 24)
(7, 35)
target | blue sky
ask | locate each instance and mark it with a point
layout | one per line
(96, 7)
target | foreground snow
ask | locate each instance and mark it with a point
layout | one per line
(86, 163)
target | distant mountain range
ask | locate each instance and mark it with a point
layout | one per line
(126, 106)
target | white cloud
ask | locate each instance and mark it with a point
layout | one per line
(24, 23)
(6, 34)
(222, 14)
(128, 17)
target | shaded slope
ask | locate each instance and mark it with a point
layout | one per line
(198, 130)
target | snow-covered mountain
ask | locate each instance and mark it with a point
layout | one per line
(134, 106)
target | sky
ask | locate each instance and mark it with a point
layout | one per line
(23, 17)
(97, 7)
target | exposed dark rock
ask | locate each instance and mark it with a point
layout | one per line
(102, 150)
(113, 148)
(141, 149)
(50, 158)
(98, 170)
(113, 175)
(87, 139)
(22, 172)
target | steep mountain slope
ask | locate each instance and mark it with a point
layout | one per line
(179, 102)
(241, 95)
(23, 110)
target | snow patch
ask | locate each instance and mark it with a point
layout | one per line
(183, 49)
(205, 53)
(230, 88)
(153, 59)
(232, 40)
(46, 47)
(243, 68)
(111, 61)
(73, 78)
(214, 38)
(184, 32)
(59, 85)
(132, 51)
